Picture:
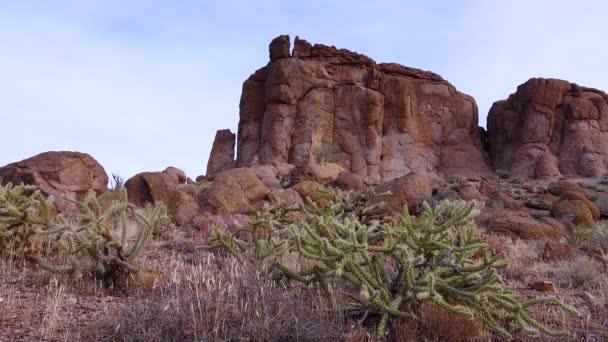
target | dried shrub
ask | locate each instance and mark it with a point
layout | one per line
(223, 300)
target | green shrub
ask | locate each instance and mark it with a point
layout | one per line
(22, 209)
(97, 239)
(590, 239)
(388, 266)
(518, 180)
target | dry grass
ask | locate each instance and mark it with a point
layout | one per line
(220, 299)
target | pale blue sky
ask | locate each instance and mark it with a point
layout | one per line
(142, 85)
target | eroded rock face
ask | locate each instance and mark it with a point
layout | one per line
(222, 152)
(550, 128)
(57, 174)
(382, 121)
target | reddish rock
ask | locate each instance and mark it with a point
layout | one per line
(350, 181)
(222, 152)
(165, 187)
(542, 285)
(409, 190)
(178, 175)
(58, 173)
(380, 121)
(555, 251)
(550, 127)
(469, 191)
(236, 191)
(324, 172)
(287, 197)
(578, 206)
(267, 174)
(519, 223)
(561, 187)
(313, 190)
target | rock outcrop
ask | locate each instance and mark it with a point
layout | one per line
(58, 173)
(549, 128)
(222, 152)
(168, 187)
(381, 121)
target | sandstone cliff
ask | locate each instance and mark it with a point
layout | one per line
(319, 103)
(549, 128)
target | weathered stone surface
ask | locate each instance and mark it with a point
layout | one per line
(380, 121)
(236, 191)
(167, 187)
(311, 189)
(350, 181)
(58, 173)
(222, 152)
(267, 174)
(409, 190)
(287, 197)
(324, 172)
(550, 127)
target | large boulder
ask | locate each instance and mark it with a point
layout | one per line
(222, 152)
(380, 121)
(58, 173)
(519, 223)
(236, 191)
(578, 207)
(406, 191)
(550, 127)
(167, 187)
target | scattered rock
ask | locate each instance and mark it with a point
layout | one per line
(542, 285)
(58, 173)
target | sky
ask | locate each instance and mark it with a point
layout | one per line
(142, 85)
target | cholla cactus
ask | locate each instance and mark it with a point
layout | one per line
(396, 264)
(23, 209)
(97, 237)
(100, 238)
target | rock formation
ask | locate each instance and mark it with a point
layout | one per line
(58, 173)
(550, 128)
(168, 187)
(222, 152)
(381, 121)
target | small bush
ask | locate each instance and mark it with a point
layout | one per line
(518, 180)
(590, 239)
(502, 174)
(578, 273)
